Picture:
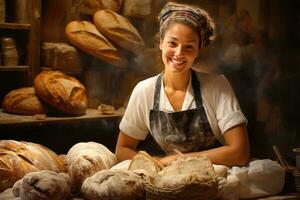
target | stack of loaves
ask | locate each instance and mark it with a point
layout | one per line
(36, 172)
(100, 37)
(52, 91)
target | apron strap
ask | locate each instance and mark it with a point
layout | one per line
(195, 85)
(157, 92)
(196, 88)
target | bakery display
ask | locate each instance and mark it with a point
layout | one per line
(63, 92)
(85, 159)
(23, 101)
(95, 5)
(19, 158)
(119, 30)
(137, 9)
(85, 36)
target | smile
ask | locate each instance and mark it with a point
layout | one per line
(177, 62)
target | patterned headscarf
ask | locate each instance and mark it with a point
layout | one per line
(197, 18)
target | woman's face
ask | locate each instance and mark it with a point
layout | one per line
(180, 47)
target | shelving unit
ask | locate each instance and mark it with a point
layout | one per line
(27, 38)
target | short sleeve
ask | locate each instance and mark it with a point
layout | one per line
(134, 121)
(228, 112)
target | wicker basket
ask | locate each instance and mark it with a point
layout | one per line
(206, 189)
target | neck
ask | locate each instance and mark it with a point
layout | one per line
(177, 81)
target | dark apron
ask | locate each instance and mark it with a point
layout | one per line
(186, 131)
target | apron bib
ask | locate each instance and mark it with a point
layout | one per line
(186, 131)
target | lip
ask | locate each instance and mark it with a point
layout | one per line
(177, 62)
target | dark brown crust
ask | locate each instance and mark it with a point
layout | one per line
(23, 101)
(69, 97)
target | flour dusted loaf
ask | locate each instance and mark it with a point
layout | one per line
(85, 36)
(113, 184)
(143, 161)
(94, 5)
(23, 101)
(119, 30)
(63, 92)
(87, 158)
(43, 185)
(19, 158)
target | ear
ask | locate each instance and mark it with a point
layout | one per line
(160, 44)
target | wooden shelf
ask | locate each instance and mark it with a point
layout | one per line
(15, 26)
(14, 68)
(91, 115)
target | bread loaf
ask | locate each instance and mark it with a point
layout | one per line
(19, 158)
(43, 185)
(87, 158)
(119, 30)
(113, 184)
(63, 92)
(23, 101)
(95, 5)
(144, 161)
(85, 36)
(61, 56)
(137, 8)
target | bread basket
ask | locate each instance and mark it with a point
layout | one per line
(206, 190)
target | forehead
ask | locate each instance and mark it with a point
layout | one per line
(182, 32)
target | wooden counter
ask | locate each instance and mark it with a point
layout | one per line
(91, 115)
(61, 133)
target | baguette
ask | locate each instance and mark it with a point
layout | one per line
(119, 30)
(85, 36)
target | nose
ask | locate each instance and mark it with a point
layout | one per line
(179, 50)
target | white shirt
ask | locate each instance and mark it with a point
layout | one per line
(219, 101)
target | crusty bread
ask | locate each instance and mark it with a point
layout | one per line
(23, 101)
(63, 92)
(137, 9)
(85, 36)
(85, 159)
(119, 30)
(114, 5)
(43, 184)
(19, 158)
(113, 184)
(144, 161)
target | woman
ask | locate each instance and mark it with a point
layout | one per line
(182, 109)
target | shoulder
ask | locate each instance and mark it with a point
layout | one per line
(212, 80)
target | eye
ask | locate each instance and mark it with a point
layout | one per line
(190, 47)
(171, 44)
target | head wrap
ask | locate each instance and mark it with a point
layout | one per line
(197, 18)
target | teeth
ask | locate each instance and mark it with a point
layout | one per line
(177, 62)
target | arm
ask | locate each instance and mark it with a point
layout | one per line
(126, 147)
(234, 153)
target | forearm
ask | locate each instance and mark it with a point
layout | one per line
(224, 155)
(125, 153)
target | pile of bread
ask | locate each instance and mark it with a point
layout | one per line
(29, 171)
(53, 92)
(111, 35)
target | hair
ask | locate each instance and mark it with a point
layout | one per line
(189, 15)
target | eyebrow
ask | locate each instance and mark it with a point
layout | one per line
(174, 38)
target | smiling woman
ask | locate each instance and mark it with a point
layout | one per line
(183, 110)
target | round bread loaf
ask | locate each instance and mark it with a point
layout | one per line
(19, 158)
(113, 184)
(85, 36)
(119, 30)
(63, 92)
(23, 101)
(43, 184)
(114, 5)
